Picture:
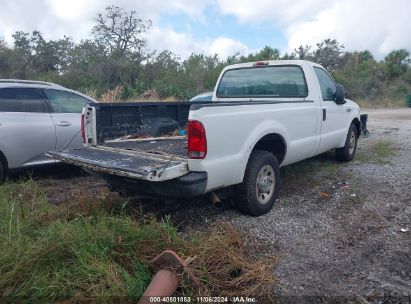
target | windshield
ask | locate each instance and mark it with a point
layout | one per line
(270, 81)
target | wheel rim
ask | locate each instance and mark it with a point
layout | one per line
(265, 184)
(351, 143)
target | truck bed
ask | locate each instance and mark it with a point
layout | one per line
(176, 146)
(147, 159)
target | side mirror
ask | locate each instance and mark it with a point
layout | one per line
(339, 94)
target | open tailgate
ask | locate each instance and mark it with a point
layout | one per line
(134, 164)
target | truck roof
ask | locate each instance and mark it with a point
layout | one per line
(271, 62)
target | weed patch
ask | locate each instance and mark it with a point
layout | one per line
(91, 249)
(381, 103)
(379, 153)
(308, 170)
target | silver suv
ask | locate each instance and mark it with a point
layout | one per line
(36, 117)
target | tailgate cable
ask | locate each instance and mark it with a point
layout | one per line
(171, 158)
(71, 140)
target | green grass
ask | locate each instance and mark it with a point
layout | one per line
(46, 254)
(95, 250)
(306, 170)
(381, 103)
(379, 153)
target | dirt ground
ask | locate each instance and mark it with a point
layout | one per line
(341, 231)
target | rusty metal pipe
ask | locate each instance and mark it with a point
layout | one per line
(163, 284)
(170, 269)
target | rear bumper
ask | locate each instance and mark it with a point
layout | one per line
(188, 185)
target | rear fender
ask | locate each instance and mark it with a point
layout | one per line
(263, 129)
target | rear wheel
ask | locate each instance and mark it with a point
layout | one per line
(347, 152)
(258, 192)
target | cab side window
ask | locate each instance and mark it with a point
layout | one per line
(21, 100)
(65, 102)
(327, 85)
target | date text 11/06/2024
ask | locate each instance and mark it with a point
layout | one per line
(238, 299)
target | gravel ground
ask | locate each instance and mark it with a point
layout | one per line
(336, 228)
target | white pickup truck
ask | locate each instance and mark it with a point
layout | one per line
(263, 115)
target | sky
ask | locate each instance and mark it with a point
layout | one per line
(226, 27)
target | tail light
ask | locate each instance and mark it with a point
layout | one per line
(197, 141)
(83, 132)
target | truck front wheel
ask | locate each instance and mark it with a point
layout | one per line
(258, 192)
(346, 153)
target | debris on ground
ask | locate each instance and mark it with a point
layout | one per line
(324, 194)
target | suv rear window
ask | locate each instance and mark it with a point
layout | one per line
(21, 100)
(269, 81)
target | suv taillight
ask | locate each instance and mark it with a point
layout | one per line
(197, 141)
(83, 132)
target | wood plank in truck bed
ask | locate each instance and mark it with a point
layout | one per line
(172, 146)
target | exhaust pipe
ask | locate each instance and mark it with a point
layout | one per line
(213, 197)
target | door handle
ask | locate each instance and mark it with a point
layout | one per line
(324, 114)
(63, 124)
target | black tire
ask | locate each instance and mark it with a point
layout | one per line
(2, 172)
(347, 153)
(249, 195)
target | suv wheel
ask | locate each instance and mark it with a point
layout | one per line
(258, 192)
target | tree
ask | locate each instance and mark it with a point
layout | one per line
(49, 56)
(160, 73)
(120, 31)
(328, 54)
(119, 34)
(39, 55)
(116, 54)
(288, 56)
(83, 67)
(268, 53)
(5, 55)
(365, 56)
(3, 44)
(303, 52)
(197, 69)
(397, 63)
